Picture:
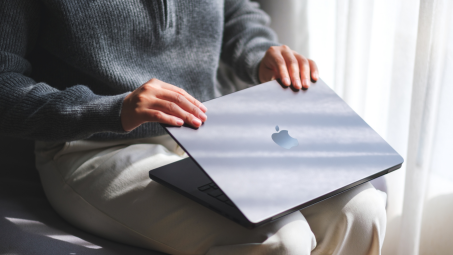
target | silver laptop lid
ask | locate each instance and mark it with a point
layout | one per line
(324, 146)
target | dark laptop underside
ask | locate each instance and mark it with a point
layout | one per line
(186, 177)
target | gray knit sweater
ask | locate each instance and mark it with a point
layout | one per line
(66, 65)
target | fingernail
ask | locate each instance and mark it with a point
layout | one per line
(306, 83)
(203, 116)
(197, 122)
(297, 84)
(179, 122)
(286, 81)
(203, 108)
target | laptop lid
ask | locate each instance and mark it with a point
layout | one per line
(272, 149)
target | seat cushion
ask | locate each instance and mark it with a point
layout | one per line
(17, 160)
(29, 225)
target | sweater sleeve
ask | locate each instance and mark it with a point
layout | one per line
(246, 38)
(37, 110)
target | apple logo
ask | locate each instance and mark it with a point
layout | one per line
(283, 139)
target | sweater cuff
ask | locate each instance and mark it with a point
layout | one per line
(255, 60)
(108, 116)
(255, 70)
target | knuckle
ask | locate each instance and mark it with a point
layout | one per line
(293, 62)
(280, 61)
(281, 66)
(179, 98)
(304, 60)
(157, 115)
(285, 47)
(171, 107)
(179, 90)
(153, 115)
(142, 98)
(147, 87)
(195, 110)
(273, 49)
(188, 117)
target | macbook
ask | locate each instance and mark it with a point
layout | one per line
(267, 151)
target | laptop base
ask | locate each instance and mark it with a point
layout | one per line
(186, 177)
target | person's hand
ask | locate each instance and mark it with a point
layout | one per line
(280, 62)
(157, 101)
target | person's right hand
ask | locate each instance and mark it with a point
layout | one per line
(157, 101)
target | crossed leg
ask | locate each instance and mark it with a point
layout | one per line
(104, 188)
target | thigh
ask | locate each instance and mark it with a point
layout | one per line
(107, 191)
(352, 222)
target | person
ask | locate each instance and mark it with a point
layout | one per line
(90, 81)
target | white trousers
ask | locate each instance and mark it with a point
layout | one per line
(104, 188)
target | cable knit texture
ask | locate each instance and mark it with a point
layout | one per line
(66, 66)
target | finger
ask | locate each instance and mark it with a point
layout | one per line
(304, 70)
(185, 94)
(314, 70)
(174, 110)
(293, 68)
(182, 102)
(279, 65)
(161, 117)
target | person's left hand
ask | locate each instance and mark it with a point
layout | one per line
(280, 62)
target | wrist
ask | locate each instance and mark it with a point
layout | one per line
(125, 113)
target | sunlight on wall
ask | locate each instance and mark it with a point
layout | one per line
(368, 52)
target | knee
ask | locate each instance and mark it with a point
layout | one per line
(350, 223)
(293, 238)
(293, 245)
(289, 235)
(365, 217)
(367, 208)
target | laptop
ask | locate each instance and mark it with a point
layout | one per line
(267, 151)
